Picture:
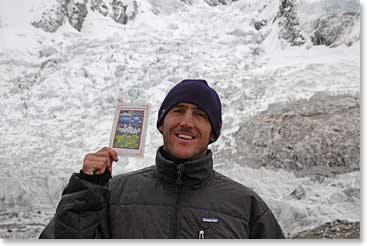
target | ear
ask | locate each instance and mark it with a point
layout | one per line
(161, 128)
(212, 138)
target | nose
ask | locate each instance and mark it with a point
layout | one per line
(187, 120)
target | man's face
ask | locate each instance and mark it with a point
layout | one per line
(186, 131)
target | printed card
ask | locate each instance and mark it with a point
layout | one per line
(129, 129)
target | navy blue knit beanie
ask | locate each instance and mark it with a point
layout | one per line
(196, 92)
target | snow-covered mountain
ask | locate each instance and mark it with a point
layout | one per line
(287, 71)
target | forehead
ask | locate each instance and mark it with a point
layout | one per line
(187, 106)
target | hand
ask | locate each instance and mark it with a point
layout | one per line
(96, 163)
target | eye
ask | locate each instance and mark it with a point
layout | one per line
(178, 110)
(201, 113)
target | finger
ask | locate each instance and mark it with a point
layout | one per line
(89, 167)
(106, 160)
(94, 157)
(94, 167)
(103, 154)
(100, 170)
(102, 166)
(112, 153)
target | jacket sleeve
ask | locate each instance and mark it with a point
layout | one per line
(266, 226)
(82, 211)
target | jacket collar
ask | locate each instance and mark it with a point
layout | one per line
(188, 173)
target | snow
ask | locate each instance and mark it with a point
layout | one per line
(58, 93)
(324, 199)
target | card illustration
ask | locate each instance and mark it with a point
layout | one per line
(129, 129)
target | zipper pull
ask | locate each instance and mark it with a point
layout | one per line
(180, 169)
(201, 234)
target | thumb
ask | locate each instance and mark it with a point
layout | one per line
(113, 154)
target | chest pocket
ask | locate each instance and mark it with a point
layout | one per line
(206, 226)
(202, 224)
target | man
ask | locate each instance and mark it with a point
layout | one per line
(180, 197)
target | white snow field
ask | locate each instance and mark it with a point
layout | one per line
(58, 93)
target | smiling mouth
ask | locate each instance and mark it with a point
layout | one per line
(184, 136)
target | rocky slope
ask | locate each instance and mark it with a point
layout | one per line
(23, 224)
(336, 29)
(75, 12)
(320, 136)
(338, 229)
(328, 28)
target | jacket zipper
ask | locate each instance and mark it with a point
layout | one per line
(201, 234)
(174, 232)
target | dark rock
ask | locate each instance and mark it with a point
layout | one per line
(259, 24)
(188, 2)
(336, 29)
(352, 192)
(340, 26)
(338, 229)
(219, 2)
(52, 18)
(289, 23)
(99, 6)
(320, 136)
(119, 11)
(76, 13)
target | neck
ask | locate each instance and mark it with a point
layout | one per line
(194, 172)
(169, 156)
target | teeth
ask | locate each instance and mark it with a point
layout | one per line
(185, 136)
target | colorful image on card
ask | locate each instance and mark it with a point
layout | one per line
(128, 129)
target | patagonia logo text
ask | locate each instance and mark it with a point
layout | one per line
(209, 220)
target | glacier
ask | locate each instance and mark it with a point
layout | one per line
(59, 89)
